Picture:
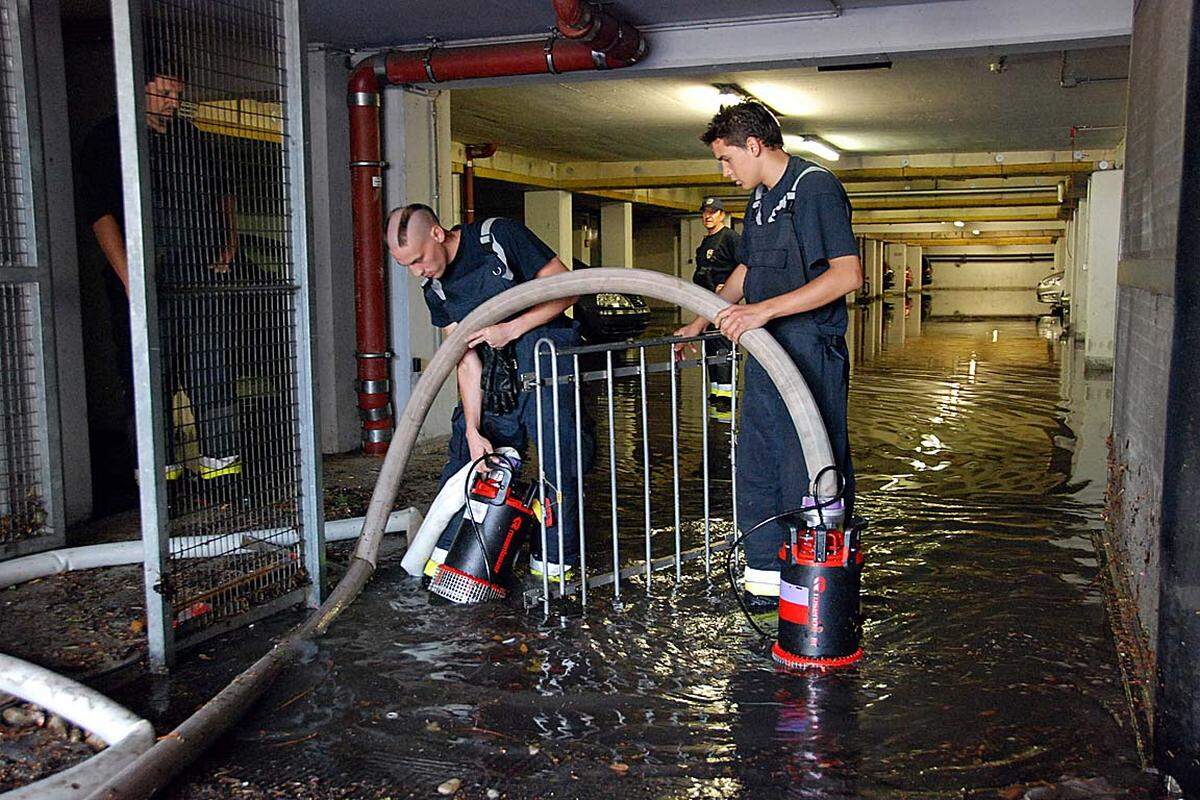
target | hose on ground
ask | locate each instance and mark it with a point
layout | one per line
(173, 752)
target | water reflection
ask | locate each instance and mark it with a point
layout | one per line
(989, 662)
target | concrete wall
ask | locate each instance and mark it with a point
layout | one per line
(1145, 305)
(994, 303)
(1015, 274)
(1104, 204)
(332, 255)
(656, 247)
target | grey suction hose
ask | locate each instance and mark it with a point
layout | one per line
(171, 754)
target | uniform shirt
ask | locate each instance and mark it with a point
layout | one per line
(190, 182)
(716, 258)
(462, 287)
(821, 219)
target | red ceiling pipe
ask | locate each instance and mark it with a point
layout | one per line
(474, 151)
(589, 38)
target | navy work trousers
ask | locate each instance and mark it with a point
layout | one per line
(771, 474)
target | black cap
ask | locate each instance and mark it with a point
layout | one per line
(713, 203)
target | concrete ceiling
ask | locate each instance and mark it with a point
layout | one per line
(921, 105)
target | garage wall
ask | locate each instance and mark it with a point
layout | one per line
(1145, 306)
(990, 275)
(655, 247)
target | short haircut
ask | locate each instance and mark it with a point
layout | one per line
(406, 215)
(734, 124)
(160, 51)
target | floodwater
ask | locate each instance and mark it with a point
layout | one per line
(989, 662)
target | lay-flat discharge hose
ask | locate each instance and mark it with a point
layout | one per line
(180, 747)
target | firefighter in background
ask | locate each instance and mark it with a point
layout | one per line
(716, 258)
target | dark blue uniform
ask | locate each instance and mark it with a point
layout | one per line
(790, 233)
(478, 273)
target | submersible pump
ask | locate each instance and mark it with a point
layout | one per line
(819, 583)
(494, 527)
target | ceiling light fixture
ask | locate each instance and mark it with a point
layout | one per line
(958, 223)
(811, 144)
(975, 232)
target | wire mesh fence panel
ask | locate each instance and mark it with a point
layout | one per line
(30, 502)
(220, 148)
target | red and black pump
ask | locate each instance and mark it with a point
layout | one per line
(495, 525)
(819, 620)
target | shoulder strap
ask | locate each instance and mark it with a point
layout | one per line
(487, 240)
(789, 198)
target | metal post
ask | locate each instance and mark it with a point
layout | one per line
(704, 453)
(733, 432)
(645, 462)
(312, 506)
(537, 374)
(583, 582)
(143, 324)
(675, 463)
(612, 473)
(558, 490)
(32, 394)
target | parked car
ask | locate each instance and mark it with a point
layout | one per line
(611, 316)
(1050, 291)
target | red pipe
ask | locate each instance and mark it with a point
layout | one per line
(590, 38)
(474, 151)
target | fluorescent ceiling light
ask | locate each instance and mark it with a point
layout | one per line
(783, 99)
(811, 144)
(975, 232)
(958, 223)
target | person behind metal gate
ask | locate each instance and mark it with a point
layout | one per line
(195, 226)
(461, 268)
(798, 259)
(716, 258)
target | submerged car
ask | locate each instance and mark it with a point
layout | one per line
(610, 316)
(1050, 289)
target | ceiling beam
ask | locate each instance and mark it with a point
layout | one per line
(1043, 169)
(973, 241)
(865, 33)
(899, 217)
(913, 203)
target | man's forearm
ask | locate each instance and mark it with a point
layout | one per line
(470, 374)
(112, 244)
(540, 315)
(843, 276)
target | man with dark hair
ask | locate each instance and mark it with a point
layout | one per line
(798, 261)
(462, 268)
(193, 214)
(716, 258)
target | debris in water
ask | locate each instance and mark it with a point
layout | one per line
(450, 786)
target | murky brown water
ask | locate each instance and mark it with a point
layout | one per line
(980, 455)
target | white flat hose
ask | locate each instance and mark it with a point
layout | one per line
(447, 505)
(126, 734)
(154, 769)
(116, 554)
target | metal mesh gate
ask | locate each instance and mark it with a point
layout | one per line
(231, 502)
(30, 496)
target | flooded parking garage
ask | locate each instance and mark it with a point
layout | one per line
(990, 669)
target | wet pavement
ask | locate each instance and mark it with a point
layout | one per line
(990, 667)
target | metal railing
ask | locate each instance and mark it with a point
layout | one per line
(608, 377)
(216, 220)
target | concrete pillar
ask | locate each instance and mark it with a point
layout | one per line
(616, 234)
(548, 214)
(873, 267)
(64, 262)
(416, 146)
(913, 321)
(1079, 300)
(895, 258)
(332, 252)
(1104, 243)
(894, 328)
(912, 262)
(580, 246)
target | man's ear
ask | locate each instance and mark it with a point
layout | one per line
(438, 233)
(753, 145)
